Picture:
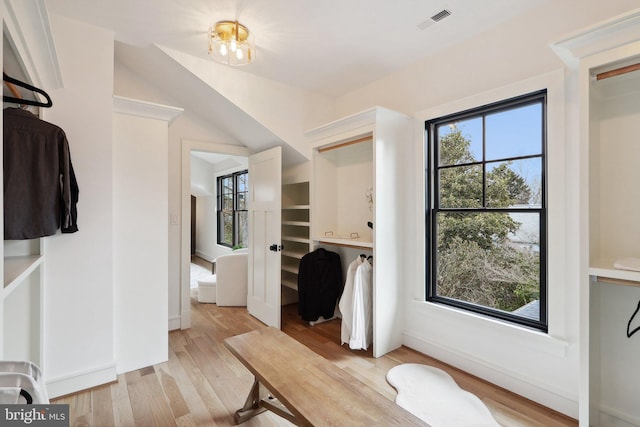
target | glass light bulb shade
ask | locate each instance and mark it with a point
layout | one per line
(231, 36)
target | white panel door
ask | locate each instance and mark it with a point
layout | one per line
(265, 176)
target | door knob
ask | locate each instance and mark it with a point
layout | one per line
(275, 247)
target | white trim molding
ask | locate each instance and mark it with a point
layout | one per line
(29, 33)
(81, 380)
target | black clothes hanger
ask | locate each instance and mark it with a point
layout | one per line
(22, 101)
(24, 393)
(630, 320)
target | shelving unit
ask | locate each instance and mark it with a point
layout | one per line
(614, 233)
(605, 60)
(296, 240)
(358, 173)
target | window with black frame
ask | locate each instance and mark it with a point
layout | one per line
(233, 191)
(486, 211)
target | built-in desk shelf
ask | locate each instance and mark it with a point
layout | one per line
(348, 243)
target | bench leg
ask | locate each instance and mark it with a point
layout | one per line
(251, 406)
(258, 401)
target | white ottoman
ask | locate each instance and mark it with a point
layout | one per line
(207, 289)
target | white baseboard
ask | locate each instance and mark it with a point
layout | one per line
(174, 323)
(185, 319)
(545, 394)
(81, 380)
(205, 256)
(613, 417)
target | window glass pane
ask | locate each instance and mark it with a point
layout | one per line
(242, 182)
(460, 142)
(514, 133)
(227, 185)
(243, 229)
(461, 187)
(242, 202)
(491, 260)
(227, 228)
(227, 202)
(517, 183)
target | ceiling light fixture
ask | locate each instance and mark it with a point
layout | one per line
(231, 43)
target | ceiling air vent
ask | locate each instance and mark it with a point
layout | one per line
(435, 18)
(440, 15)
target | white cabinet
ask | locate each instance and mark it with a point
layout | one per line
(609, 154)
(359, 173)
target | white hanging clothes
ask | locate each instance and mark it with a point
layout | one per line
(346, 302)
(362, 332)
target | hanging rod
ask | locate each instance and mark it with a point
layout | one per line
(618, 71)
(345, 144)
(13, 89)
(615, 281)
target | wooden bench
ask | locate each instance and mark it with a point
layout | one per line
(307, 389)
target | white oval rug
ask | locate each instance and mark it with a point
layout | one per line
(433, 396)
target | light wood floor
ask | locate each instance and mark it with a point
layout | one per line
(202, 384)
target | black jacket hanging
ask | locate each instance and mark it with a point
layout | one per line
(319, 284)
(40, 187)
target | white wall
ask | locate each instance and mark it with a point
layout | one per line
(78, 270)
(204, 188)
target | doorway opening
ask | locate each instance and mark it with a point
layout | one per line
(201, 161)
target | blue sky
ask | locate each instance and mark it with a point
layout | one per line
(512, 133)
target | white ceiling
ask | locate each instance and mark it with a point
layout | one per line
(329, 47)
(325, 46)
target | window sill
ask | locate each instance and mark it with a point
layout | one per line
(491, 329)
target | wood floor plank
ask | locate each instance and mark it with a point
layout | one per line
(102, 407)
(208, 396)
(122, 411)
(160, 406)
(198, 411)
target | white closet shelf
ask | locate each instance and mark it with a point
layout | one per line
(296, 207)
(293, 254)
(296, 239)
(16, 268)
(289, 268)
(296, 223)
(291, 284)
(603, 271)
